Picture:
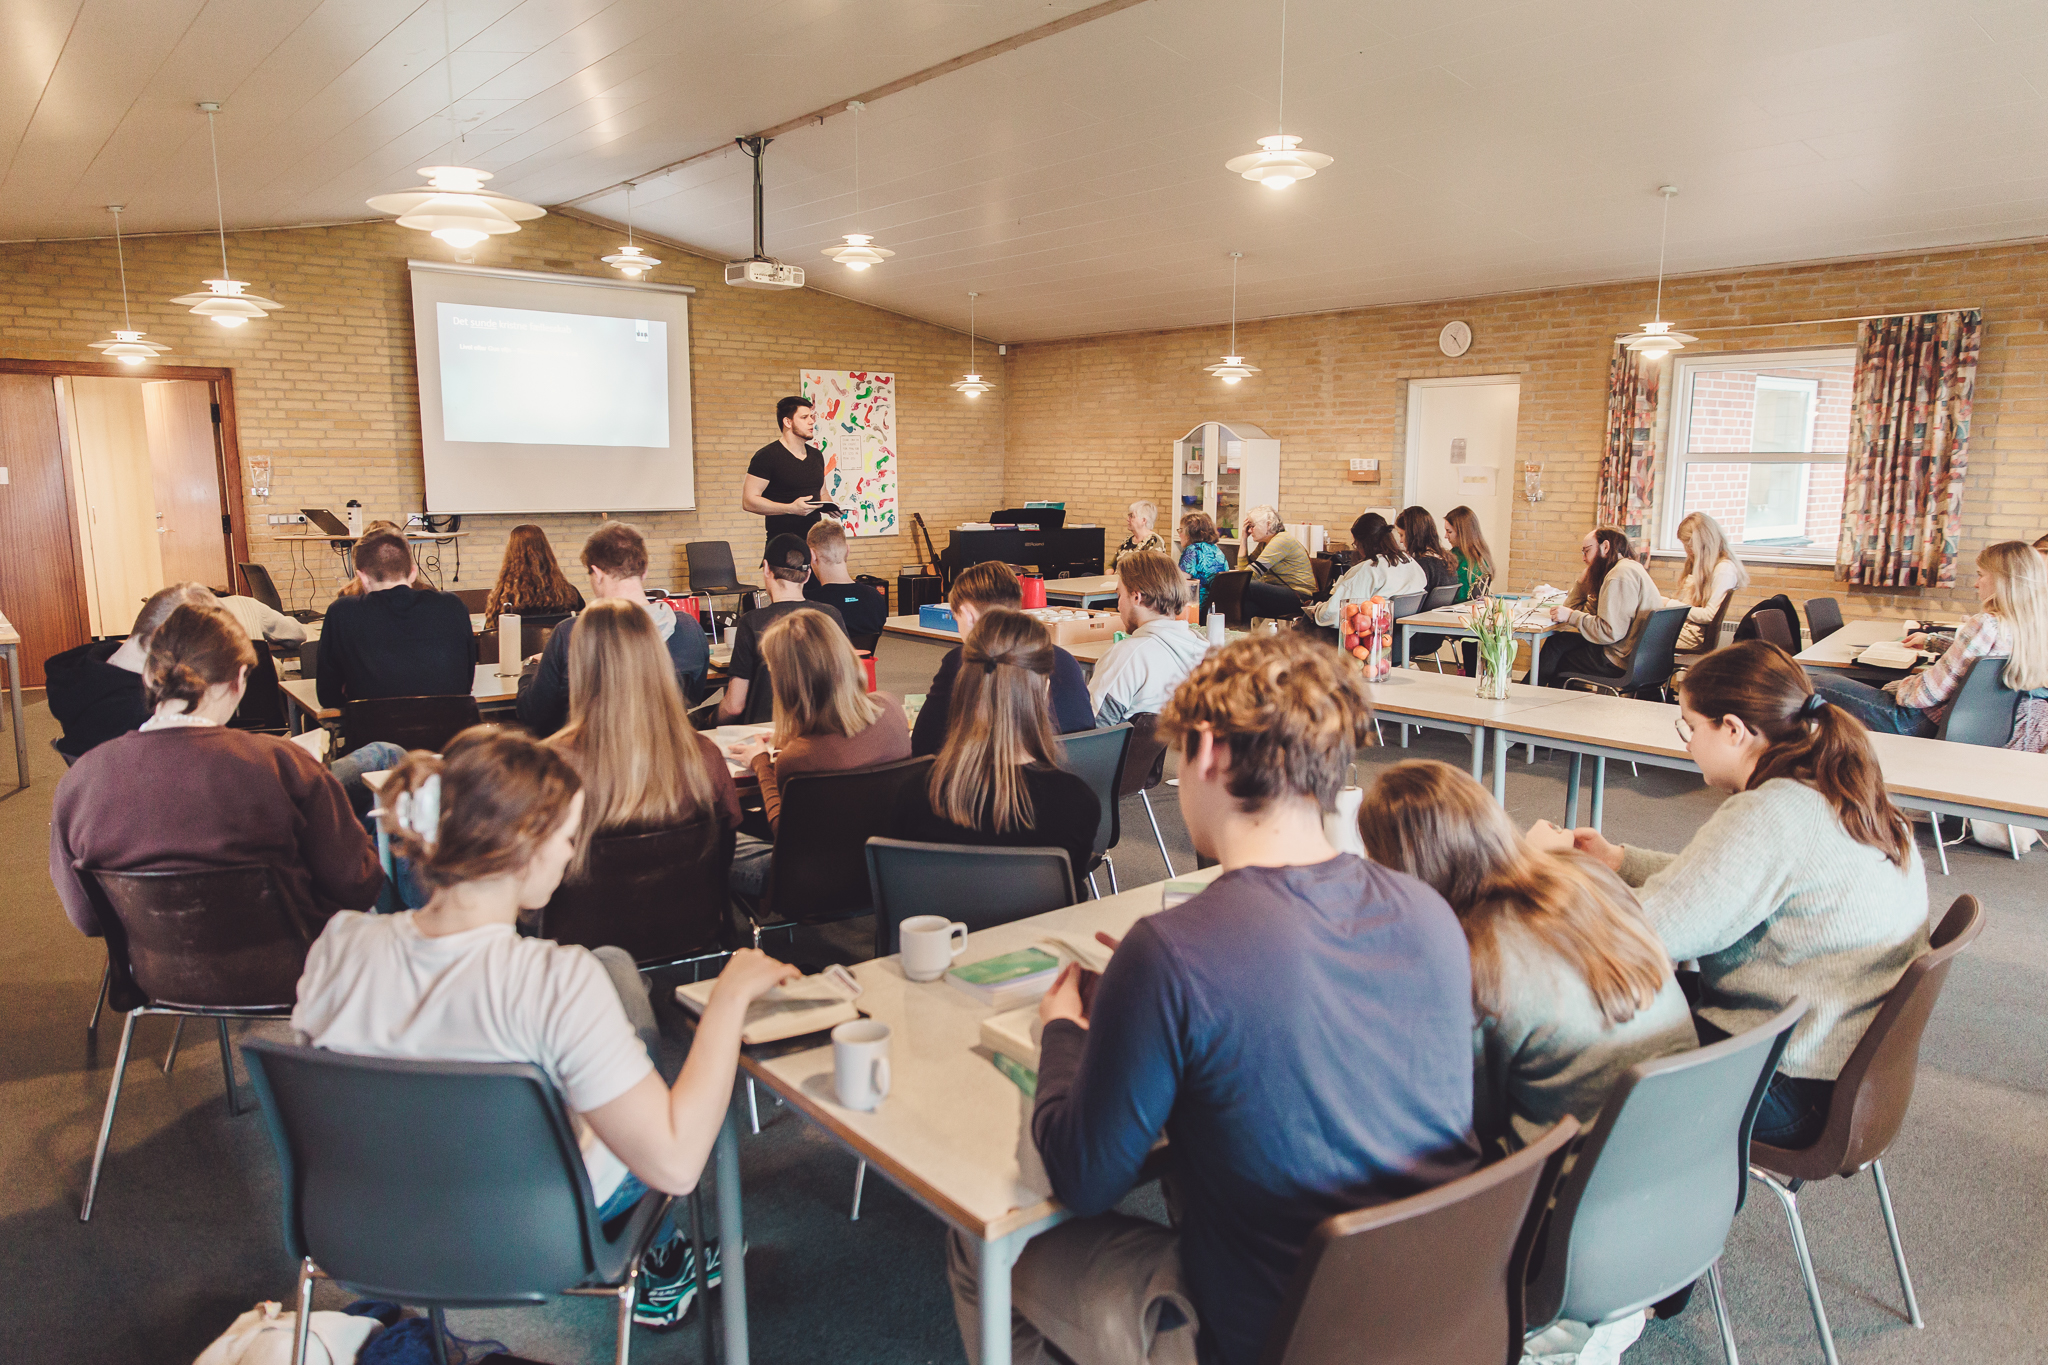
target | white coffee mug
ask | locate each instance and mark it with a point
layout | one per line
(860, 1063)
(930, 944)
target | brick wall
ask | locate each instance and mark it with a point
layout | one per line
(327, 387)
(1095, 417)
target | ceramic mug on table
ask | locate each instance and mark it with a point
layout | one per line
(930, 944)
(860, 1063)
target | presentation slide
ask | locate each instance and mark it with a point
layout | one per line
(520, 377)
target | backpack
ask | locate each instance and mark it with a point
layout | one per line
(1745, 629)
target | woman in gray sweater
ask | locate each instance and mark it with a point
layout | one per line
(1806, 882)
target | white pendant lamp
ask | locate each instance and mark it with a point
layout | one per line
(225, 300)
(859, 251)
(1282, 162)
(1657, 340)
(1232, 367)
(453, 205)
(128, 347)
(971, 384)
(630, 260)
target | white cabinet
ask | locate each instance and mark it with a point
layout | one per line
(1223, 469)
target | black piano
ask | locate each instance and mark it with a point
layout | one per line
(1056, 551)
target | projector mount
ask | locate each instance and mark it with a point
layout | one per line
(760, 271)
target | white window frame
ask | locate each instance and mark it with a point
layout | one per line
(1676, 402)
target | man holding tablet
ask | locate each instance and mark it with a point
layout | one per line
(786, 476)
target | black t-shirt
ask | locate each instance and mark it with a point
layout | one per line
(789, 479)
(746, 634)
(1065, 813)
(863, 606)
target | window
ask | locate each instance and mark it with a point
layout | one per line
(1760, 442)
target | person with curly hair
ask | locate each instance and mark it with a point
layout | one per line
(530, 580)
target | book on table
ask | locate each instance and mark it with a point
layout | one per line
(1889, 654)
(1011, 978)
(807, 1005)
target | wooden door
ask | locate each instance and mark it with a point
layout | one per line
(185, 461)
(42, 583)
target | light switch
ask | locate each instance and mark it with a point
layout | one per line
(3, 473)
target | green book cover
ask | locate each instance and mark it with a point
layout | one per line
(1026, 1079)
(994, 971)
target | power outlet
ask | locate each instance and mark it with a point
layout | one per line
(416, 520)
(295, 519)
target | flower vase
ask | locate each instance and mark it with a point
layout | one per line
(1495, 669)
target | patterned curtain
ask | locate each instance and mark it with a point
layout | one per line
(1628, 469)
(1909, 448)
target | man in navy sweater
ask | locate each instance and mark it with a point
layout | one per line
(1301, 1032)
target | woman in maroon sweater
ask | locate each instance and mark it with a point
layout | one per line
(185, 793)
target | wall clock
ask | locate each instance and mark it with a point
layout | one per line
(1455, 339)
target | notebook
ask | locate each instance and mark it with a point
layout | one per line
(804, 1006)
(1889, 654)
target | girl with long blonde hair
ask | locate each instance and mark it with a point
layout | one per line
(1712, 571)
(1570, 986)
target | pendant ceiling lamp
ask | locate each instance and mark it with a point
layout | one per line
(1282, 162)
(1657, 340)
(128, 347)
(225, 300)
(630, 260)
(1232, 367)
(453, 205)
(971, 384)
(859, 251)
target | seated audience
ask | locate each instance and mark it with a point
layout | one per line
(1805, 882)
(2012, 585)
(1712, 571)
(785, 568)
(262, 622)
(1141, 670)
(1467, 542)
(1383, 569)
(863, 606)
(96, 690)
(1301, 1032)
(186, 793)
(976, 590)
(615, 557)
(394, 641)
(1141, 517)
(998, 780)
(354, 586)
(1569, 985)
(490, 827)
(1420, 539)
(826, 721)
(1609, 607)
(530, 579)
(1282, 576)
(1200, 559)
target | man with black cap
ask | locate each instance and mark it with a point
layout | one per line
(785, 568)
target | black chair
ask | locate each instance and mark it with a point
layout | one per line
(262, 705)
(476, 599)
(1407, 604)
(880, 585)
(257, 581)
(219, 944)
(1097, 757)
(1823, 617)
(1649, 666)
(1749, 629)
(1429, 646)
(865, 643)
(819, 870)
(978, 885)
(1984, 712)
(409, 722)
(660, 895)
(388, 1190)
(1774, 627)
(1226, 594)
(1144, 769)
(711, 569)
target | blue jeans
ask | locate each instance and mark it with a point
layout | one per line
(1795, 1108)
(1874, 706)
(374, 757)
(632, 989)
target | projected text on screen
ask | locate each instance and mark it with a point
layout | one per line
(522, 377)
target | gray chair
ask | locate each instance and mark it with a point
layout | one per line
(711, 569)
(659, 894)
(1097, 757)
(1144, 769)
(1407, 604)
(819, 870)
(1823, 617)
(1431, 646)
(1433, 1279)
(1774, 627)
(1646, 1207)
(388, 1191)
(1984, 712)
(978, 885)
(1650, 665)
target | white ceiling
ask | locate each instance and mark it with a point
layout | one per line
(1077, 182)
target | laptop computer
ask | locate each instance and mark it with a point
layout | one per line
(325, 520)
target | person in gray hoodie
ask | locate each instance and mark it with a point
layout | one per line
(1141, 671)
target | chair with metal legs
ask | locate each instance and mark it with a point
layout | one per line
(1984, 711)
(1097, 757)
(1144, 768)
(1869, 1105)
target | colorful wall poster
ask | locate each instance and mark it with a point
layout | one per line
(856, 413)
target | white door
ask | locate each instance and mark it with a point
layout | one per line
(1461, 452)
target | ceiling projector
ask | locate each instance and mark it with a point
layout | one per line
(759, 274)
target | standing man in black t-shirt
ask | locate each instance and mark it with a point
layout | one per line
(786, 476)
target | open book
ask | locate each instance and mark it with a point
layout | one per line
(804, 1006)
(1889, 654)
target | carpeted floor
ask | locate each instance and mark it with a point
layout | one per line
(185, 1235)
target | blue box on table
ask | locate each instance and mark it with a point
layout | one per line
(937, 616)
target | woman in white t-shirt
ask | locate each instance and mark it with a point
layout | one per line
(489, 827)
(1712, 571)
(1384, 569)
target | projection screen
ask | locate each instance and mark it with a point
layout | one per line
(552, 393)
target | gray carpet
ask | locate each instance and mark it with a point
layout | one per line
(186, 1233)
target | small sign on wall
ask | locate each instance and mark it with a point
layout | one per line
(1476, 483)
(1457, 450)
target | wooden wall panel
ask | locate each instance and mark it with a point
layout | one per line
(42, 585)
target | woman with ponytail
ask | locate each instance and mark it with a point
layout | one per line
(998, 779)
(1805, 883)
(186, 793)
(489, 827)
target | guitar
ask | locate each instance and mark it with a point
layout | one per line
(931, 555)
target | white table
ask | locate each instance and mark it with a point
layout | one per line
(10, 650)
(954, 1133)
(1446, 701)
(493, 691)
(1451, 621)
(909, 625)
(1080, 592)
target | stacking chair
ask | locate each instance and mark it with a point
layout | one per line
(819, 870)
(1649, 667)
(1823, 617)
(1226, 594)
(1433, 1279)
(1774, 627)
(388, 1191)
(219, 944)
(1325, 571)
(1144, 769)
(1870, 1099)
(977, 885)
(1097, 757)
(1984, 712)
(659, 895)
(475, 599)
(1646, 1207)
(1431, 646)
(262, 707)
(1407, 604)
(711, 569)
(1710, 635)
(257, 580)
(409, 722)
